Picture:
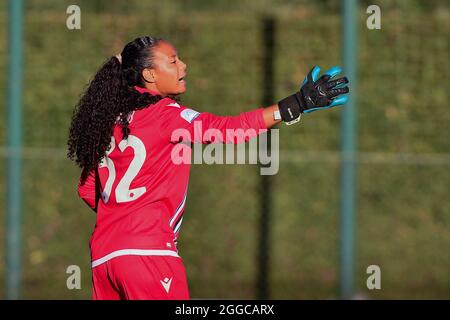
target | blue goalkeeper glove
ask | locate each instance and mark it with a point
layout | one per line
(315, 94)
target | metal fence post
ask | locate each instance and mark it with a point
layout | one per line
(14, 169)
(348, 140)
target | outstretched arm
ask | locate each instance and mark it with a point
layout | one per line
(315, 94)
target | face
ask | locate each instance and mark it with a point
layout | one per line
(167, 78)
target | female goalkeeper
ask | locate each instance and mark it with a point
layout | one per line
(122, 135)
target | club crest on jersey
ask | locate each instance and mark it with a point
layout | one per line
(189, 115)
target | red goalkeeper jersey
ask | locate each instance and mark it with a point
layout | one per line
(143, 191)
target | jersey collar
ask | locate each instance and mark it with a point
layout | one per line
(142, 90)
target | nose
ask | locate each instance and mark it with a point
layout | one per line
(183, 65)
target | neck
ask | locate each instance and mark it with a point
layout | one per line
(152, 87)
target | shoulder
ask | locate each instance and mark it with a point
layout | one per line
(150, 112)
(165, 113)
(169, 105)
(171, 109)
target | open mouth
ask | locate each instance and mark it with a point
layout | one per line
(182, 79)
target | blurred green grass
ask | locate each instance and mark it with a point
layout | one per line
(403, 210)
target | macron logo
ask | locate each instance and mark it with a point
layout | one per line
(173, 104)
(166, 284)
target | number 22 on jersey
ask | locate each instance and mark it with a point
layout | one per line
(122, 191)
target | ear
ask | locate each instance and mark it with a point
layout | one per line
(149, 75)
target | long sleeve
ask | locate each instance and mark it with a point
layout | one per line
(87, 191)
(179, 121)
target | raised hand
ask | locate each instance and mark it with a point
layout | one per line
(315, 94)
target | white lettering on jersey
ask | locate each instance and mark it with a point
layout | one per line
(189, 115)
(123, 192)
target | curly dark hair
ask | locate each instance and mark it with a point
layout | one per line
(109, 99)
